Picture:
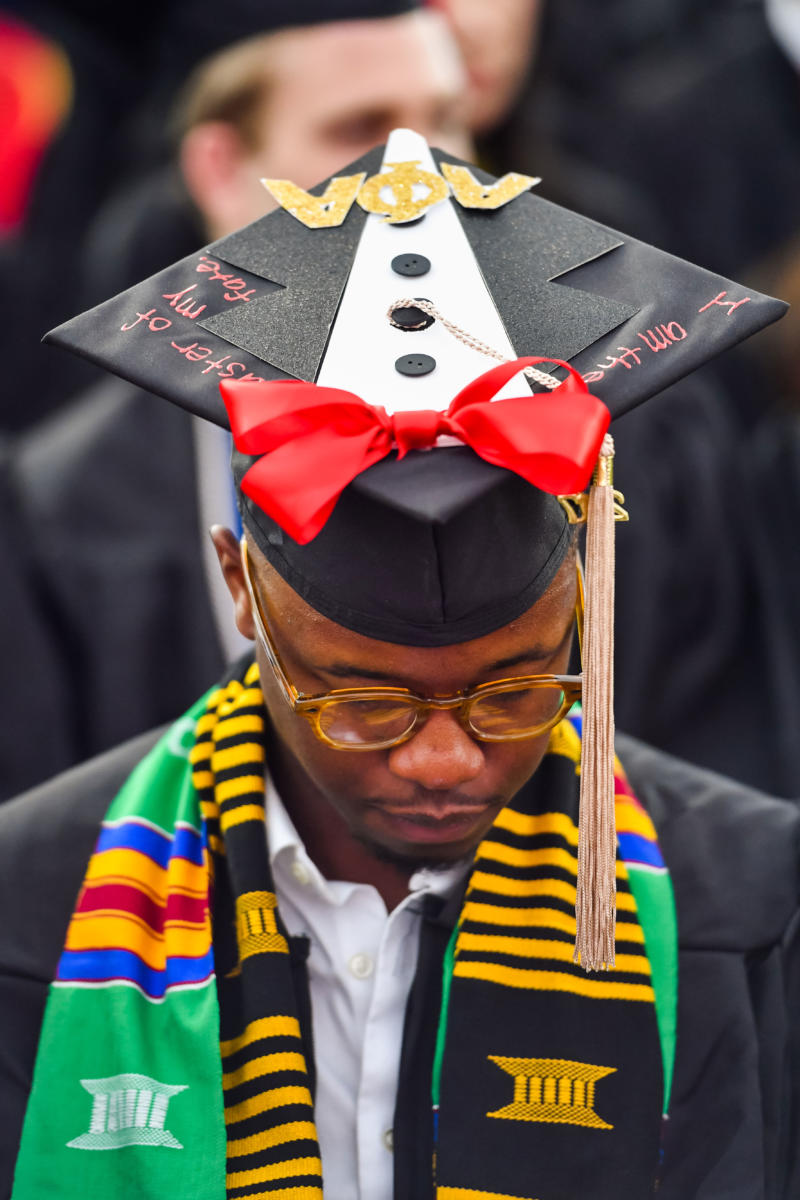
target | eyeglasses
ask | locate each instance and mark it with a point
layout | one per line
(376, 718)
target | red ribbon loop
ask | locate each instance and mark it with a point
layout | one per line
(313, 441)
(417, 429)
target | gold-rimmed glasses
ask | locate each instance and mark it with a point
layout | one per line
(376, 718)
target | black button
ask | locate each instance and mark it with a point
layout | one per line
(415, 364)
(412, 319)
(411, 264)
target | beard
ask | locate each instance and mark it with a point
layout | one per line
(410, 863)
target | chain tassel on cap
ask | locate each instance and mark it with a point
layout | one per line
(595, 905)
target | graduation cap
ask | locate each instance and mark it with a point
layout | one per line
(167, 39)
(405, 480)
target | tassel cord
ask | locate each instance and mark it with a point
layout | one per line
(595, 907)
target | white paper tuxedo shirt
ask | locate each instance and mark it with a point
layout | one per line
(361, 965)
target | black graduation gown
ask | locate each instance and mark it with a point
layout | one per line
(734, 1132)
(680, 100)
(707, 648)
(33, 741)
(107, 493)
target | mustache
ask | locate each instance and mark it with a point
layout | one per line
(431, 800)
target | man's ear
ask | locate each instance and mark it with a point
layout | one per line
(230, 561)
(211, 157)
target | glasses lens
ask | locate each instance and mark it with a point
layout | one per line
(517, 712)
(366, 722)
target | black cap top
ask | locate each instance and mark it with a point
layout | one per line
(439, 547)
(189, 31)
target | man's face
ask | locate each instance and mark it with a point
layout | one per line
(435, 795)
(336, 90)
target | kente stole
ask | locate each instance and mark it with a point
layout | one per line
(172, 1062)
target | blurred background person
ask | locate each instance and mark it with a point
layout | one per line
(292, 104)
(70, 84)
(498, 43)
(36, 89)
(118, 494)
(679, 123)
(696, 104)
(37, 100)
(515, 104)
(109, 184)
(608, 102)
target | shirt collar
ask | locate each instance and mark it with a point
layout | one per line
(283, 836)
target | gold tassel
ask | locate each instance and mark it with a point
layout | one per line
(595, 904)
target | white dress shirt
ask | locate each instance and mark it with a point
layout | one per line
(361, 965)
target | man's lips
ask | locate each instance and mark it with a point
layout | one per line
(433, 812)
(445, 822)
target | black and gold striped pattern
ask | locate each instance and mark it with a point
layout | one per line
(272, 1148)
(269, 1115)
(228, 758)
(549, 1078)
(518, 923)
(516, 931)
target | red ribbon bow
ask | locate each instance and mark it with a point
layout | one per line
(316, 440)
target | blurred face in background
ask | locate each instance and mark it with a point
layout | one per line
(302, 103)
(497, 39)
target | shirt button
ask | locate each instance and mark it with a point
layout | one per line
(388, 1139)
(361, 965)
(415, 364)
(411, 264)
(300, 871)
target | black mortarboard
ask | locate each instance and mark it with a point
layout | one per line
(439, 547)
(191, 31)
(165, 40)
(432, 546)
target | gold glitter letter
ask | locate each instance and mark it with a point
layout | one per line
(400, 179)
(317, 212)
(471, 194)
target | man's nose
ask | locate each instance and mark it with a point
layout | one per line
(440, 756)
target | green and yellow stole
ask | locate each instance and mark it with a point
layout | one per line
(172, 1059)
